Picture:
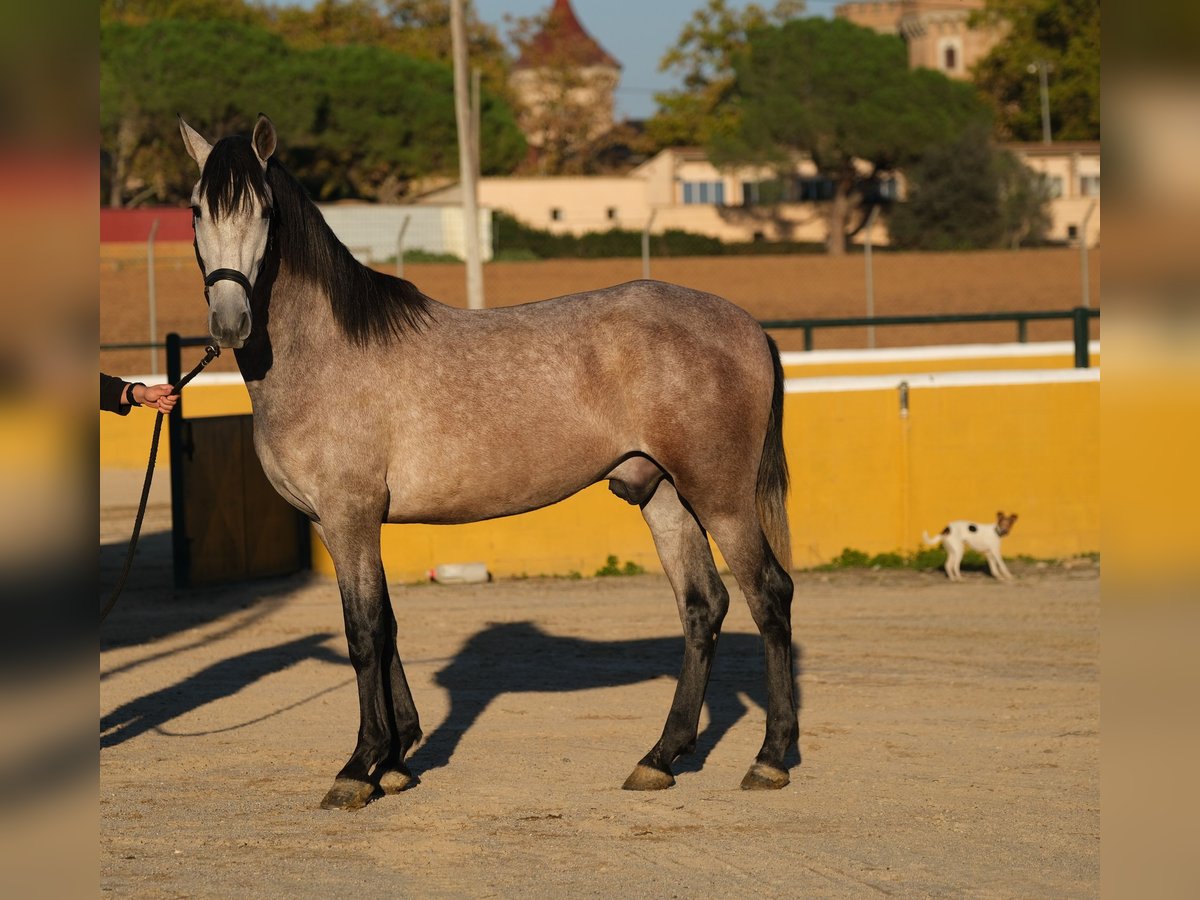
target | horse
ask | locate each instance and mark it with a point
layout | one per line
(373, 403)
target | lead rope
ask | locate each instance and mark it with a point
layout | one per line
(211, 352)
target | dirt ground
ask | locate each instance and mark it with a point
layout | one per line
(950, 741)
(950, 733)
(770, 287)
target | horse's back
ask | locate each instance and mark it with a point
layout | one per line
(528, 404)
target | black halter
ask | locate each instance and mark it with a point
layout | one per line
(227, 275)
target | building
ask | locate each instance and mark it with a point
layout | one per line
(564, 82)
(938, 33)
(679, 188)
(683, 190)
(1072, 171)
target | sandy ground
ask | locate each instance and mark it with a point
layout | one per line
(950, 733)
(950, 740)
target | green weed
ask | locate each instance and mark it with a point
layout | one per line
(612, 566)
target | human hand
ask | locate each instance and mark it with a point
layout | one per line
(156, 395)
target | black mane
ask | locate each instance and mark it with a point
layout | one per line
(367, 305)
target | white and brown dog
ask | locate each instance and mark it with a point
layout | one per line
(960, 534)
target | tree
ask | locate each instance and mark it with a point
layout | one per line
(358, 121)
(970, 195)
(139, 12)
(151, 74)
(1065, 34)
(703, 57)
(843, 96)
(415, 28)
(379, 120)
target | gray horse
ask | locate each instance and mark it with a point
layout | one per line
(374, 403)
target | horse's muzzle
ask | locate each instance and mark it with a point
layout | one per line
(229, 323)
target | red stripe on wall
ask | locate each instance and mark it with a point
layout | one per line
(125, 225)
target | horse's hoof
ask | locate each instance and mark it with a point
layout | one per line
(347, 793)
(762, 777)
(393, 781)
(644, 778)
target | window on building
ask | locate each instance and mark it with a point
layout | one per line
(1054, 186)
(555, 214)
(611, 212)
(880, 190)
(950, 54)
(1072, 232)
(755, 192)
(801, 189)
(704, 192)
(1089, 185)
(810, 190)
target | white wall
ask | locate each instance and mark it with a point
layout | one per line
(371, 230)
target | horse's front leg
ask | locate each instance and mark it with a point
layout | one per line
(388, 725)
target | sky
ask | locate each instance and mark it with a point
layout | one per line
(636, 32)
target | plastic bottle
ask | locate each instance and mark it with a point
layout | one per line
(460, 573)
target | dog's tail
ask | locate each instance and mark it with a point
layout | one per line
(772, 489)
(931, 541)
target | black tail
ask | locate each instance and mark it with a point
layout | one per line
(772, 489)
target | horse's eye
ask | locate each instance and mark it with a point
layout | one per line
(266, 212)
(195, 212)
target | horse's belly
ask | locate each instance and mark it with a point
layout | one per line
(503, 484)
(475, 506)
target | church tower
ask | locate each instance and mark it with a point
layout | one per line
(564, 82)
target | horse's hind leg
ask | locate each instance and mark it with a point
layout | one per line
(388, 725)
(703, 602)
(768, 591)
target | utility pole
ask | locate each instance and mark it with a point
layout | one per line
(1041, 67)
(466, 157)
(1083, 255)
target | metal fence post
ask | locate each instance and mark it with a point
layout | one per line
(646, 244)
(153, 298)
(1080, 316)
(870, 275)
(400, 247)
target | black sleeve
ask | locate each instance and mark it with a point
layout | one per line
(112, 393)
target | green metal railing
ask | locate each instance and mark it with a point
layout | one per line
(1080, 316)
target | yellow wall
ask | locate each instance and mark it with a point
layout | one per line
(866, 478)
(125, 440)
(863, 476)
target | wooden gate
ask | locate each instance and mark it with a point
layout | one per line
(229, 524)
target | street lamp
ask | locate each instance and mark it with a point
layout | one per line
(1042, 68)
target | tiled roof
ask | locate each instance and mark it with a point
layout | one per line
(564, 40)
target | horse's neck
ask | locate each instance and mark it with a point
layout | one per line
(292, 331)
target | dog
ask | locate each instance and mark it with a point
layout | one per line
(960, 534)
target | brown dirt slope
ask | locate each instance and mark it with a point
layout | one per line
(770, 287)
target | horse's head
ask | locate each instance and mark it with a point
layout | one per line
(231, 215)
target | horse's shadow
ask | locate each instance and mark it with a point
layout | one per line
(218, 681)
(518, 657)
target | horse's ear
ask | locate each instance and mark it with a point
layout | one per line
(197, 147)
(264, 139)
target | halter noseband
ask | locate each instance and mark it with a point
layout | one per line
(227, 275)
